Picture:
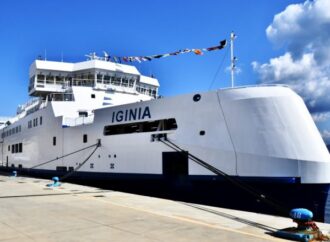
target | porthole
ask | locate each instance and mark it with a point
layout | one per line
(197, 97)
(202, 132)
(115, 156)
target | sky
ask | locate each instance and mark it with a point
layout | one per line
(280, 42)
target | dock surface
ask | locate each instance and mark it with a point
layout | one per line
(30, 211)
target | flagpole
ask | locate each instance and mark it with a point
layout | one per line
(232, 57)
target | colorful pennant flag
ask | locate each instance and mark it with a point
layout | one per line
(140, 59)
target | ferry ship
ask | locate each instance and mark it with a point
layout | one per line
(98, 120)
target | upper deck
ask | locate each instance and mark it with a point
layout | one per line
(57, 77)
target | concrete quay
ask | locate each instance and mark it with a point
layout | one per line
(31, 211)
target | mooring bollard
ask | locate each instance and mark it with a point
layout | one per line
(306, 229)
(56, 182)
(14, 174)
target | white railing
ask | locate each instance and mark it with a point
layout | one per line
(71, 122)
(33, 103)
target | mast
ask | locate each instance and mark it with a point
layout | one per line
(232, 57)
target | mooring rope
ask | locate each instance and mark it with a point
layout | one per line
(251, 190)
(57, 158)
(81, 164)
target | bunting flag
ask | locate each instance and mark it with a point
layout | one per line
(140, 59)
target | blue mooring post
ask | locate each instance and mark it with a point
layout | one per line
(306, 229)
(14, 174)
(56, 182)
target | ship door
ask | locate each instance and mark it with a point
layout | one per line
(175, 164)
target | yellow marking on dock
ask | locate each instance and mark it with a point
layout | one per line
(189, 220)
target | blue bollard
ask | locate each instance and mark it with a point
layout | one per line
(301, 214)
(14, 174)
(56, 182)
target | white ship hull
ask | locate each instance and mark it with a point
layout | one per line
(257, 131)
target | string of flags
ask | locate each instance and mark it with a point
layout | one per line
(140, 59)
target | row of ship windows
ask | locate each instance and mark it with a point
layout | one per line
(34, 122)
(85, 139)
(141, 127)
(16, 148)
(11, 131)
(18, 129)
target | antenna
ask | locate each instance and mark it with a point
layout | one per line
(232, 57)
(61, 56)
(106, 56)
(45, 54)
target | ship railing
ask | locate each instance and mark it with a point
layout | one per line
(61, 97)
(81, 82)
(32, 105)
(71, 122)
(255, 85)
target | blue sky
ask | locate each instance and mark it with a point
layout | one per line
(146, 27)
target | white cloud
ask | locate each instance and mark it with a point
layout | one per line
(304, 31)
(237, 70)
(321, 117)
(326, 135)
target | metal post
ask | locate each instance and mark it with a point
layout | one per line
(232, 57)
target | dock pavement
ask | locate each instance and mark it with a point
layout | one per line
(31, 211)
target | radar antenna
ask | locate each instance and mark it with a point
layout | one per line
(106, 56)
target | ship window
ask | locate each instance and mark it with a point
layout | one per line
(16, 148)
(50, 79)
(59, 80)
(54, 141)
(20, 148)
(117, 81)
(8, 147)
(125, 82)
(92, 95)
(131, 82)
(197, 97)
(99, 78)
(106, 79)
(35, 122)
(141, 127)
(12, 148)
(40, 78)
(40, 120)
(83, 114)
(85, 138)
